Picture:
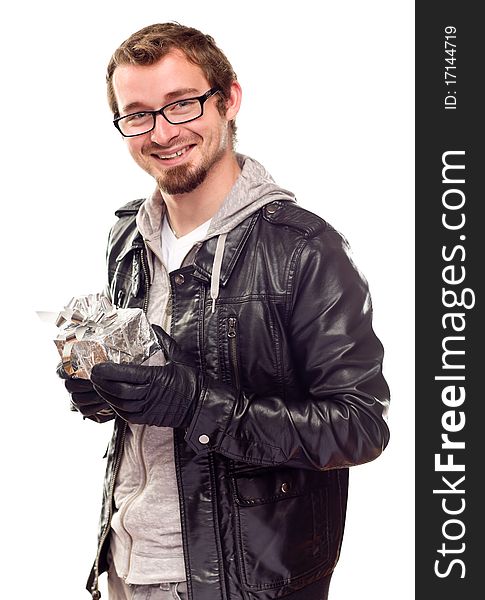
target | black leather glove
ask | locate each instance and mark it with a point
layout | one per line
(85, 399)
(165, 396)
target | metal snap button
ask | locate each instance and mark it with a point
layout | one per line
(272, 208)
(179, 279)
(204, 439)
(285, 487)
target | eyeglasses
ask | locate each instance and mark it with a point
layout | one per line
(181, 111)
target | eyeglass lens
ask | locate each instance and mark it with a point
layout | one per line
(177, 112)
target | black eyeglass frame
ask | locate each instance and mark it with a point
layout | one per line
(161, 111)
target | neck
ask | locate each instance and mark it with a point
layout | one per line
(187, 211)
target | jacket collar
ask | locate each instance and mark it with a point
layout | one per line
(235, 241)
(204, 257)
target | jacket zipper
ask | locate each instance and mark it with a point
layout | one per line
(94, 588)
(143, 430)
(147, 281)
(95, 593)
(141, 488)
(232, 336)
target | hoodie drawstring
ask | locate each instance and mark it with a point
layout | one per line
(216, 268)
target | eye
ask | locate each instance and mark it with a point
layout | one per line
(183, 106)
(137, 117)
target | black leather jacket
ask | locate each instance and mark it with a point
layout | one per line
(295, 395)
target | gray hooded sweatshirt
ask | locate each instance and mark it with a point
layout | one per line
(146, 540)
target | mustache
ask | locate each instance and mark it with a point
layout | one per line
(154, 147)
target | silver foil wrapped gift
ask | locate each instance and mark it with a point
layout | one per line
(92, 330)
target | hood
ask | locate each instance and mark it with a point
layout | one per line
(253, 189)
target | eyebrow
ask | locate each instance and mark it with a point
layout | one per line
(134, 106)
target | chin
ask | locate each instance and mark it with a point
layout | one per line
(181, 180)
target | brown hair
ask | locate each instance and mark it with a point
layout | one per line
(148, 45)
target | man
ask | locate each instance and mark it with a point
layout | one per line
(227, 473)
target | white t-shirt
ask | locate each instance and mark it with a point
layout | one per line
(175, 249)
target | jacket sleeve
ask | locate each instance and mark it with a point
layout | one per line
(339, 418)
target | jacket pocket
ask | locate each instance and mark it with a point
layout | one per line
(233, 349)
(282, 525)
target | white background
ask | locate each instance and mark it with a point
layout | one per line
(328, 109)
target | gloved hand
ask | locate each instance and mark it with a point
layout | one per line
(85, 399)
(165, 396)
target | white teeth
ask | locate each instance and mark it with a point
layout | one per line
(179, 153)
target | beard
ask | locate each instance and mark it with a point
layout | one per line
(182, 179)
(185, 178)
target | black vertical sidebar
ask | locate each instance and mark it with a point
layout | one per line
(450, 361)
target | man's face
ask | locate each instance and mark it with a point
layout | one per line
(202, 143)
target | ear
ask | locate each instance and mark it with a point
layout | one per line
(234, 101)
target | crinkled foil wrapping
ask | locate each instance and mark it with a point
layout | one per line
(92, 330)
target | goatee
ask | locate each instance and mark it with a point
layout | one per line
(181, 179)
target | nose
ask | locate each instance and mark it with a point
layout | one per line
(163, 131)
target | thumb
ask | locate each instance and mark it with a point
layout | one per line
(61, 372)
(170, 348)
(167, 343)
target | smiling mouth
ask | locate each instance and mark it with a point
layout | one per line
(175, 154)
